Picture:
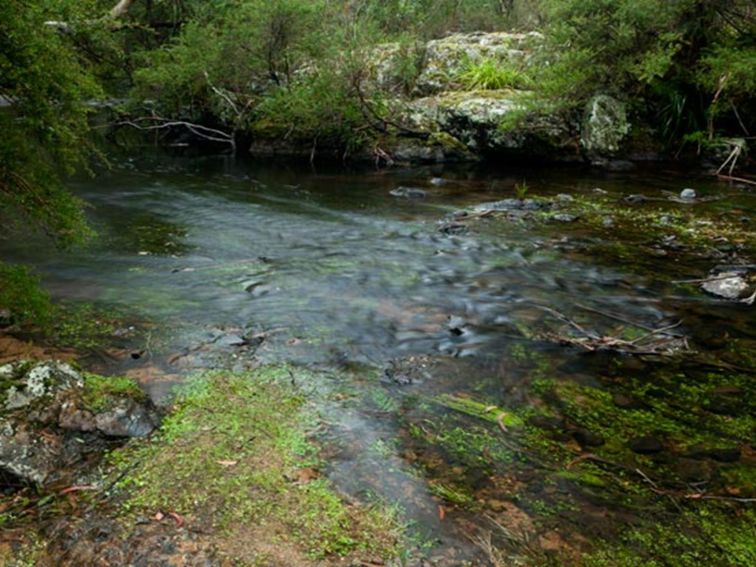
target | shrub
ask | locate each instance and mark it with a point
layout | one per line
(21, 294)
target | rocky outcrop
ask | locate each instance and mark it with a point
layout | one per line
(53, 418)
(444, 121)
(492, 123)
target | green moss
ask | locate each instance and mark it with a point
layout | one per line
(705, 535)
(103, 392)
(483, 411)
(236, 452)
(82, 325)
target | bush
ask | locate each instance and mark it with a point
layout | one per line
(21, 294)
(682, 64)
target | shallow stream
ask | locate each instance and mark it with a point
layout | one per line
(235, 263)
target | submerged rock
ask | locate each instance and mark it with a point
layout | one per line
(76, 416)
(565, 217)
(409, 193)
(513, 205)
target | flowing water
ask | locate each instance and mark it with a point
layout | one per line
(238, 263)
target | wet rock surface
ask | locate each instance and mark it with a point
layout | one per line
(728, 285)
(52, 420)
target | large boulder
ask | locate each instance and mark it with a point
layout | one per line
(476, 119)
(53, 418)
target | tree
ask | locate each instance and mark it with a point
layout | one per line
(45, 89)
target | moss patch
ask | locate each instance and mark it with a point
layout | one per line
(235, 457)
(103, 392)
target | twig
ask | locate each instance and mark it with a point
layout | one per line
(738, 179)
(614, 316)
(564, 318)
(655, 332)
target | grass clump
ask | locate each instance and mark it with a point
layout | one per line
(235, 457)
(491, 75)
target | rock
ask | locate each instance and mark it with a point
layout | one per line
(564, 198)
(409, 193)
(646, 445)
(729, 285)
(564, 217)
(31, 383)
(513, 205)
(635, 199)
(475, 118)
(604, 127)
(587, 438)
(688, 194)
(454, 229)
(407, 371)
(438, 181)
(127, 419)
(456, 325)
(231, 340)
(55, 397)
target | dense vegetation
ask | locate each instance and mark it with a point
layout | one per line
(298, 71)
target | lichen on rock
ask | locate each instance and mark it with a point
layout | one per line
(605, 126)
(53, 417)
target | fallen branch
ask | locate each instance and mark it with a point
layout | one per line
(203, 132)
